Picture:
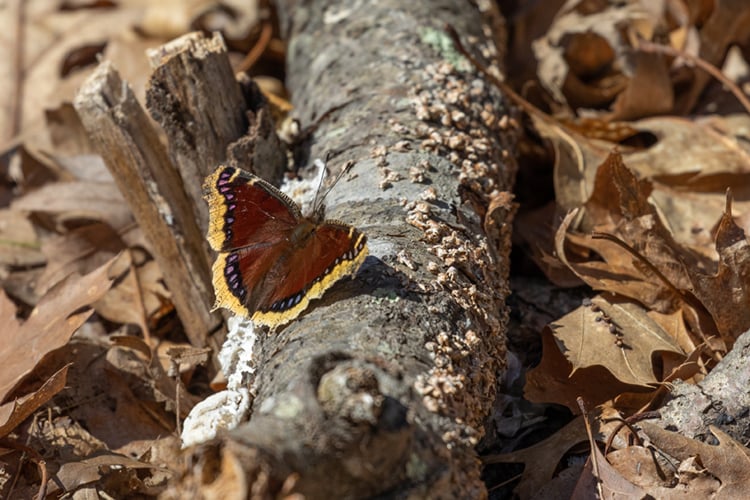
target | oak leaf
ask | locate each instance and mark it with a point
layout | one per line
(50, 325)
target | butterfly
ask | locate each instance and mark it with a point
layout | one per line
(272, 261)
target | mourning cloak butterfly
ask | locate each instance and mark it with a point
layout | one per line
(273, 260)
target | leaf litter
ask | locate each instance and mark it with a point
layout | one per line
(95, 371)
(650, 214)
(641, 215)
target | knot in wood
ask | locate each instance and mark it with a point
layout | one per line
(352, 393)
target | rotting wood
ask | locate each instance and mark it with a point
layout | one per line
(383, 386)
(196, 99)
(127, 141)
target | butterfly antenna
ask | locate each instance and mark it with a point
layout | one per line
(344, 170)
(318, 202)
(324, 169)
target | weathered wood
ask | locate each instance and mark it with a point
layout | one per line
(382, 388)
(720, 399)
(208, 116)
(196, 99)
(127, 141)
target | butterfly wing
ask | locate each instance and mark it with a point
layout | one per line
(304, 272)
(249, 224)
(244, 210)
(272, 261)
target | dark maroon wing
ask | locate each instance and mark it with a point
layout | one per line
(249, 225)
(246, 211)
(258, 271)
(240, 277)
(304, 273)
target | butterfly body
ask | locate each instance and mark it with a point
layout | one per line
(272, 261)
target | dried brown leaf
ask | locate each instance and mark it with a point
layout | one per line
(729, 461)
(77, 251)
(68, 136)
(15, 412)
(674, 324)
(535, 232)
(138, 295)
(118, 470)
(542, 459)
(553, 380)
(19, 244)
(52, 37)
(49, 326)
(616, 334)
(703, 154)
(648, 91)
(617, 193)
(726, 295)
(638, 465)
(600, 480)
(728, 23)
(79, 200)
(645, 262)
(617, 274)
(581, 58)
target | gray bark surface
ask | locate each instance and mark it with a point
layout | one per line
(722, 399)
(382, 387)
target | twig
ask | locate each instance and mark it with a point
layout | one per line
(34, 457)
(258, 49)
(646, 46)
(17, 97)
(592, 443)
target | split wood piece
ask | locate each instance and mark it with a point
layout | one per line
(382, 387)
(127, 141)
(195, 97)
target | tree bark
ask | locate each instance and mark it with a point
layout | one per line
(721, 399)
(382, 387)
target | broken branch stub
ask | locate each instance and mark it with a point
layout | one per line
(125, 138)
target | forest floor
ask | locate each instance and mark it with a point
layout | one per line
(630, 267)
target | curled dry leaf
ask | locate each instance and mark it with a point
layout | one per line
(581, 59)
(641, 258)
(542, 459)
(703, 155)
(616, 273)
(726, 295)
(729, 461)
